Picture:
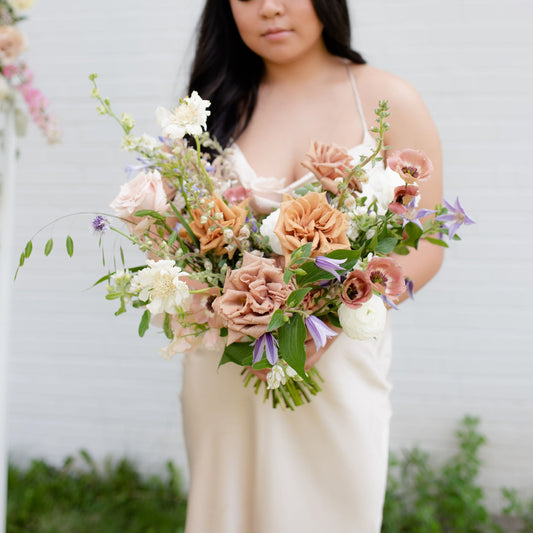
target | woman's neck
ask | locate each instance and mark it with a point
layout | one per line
(314, 65)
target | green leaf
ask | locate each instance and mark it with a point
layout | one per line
(333, 319)
(172, 238)
(167, 328)
(122, 256)
(414, 233)
(277, 320)
(296, 296)
(313, 275)
(22, 259)
(145, 323)
(287, 275)
(70, 246)
(401, 249)
(302, 252)
(386, 246)
(150, 213)
(28, 249)
(292, 344)
(48, 246)
(184, 223)
(240, 353)
(438, 242)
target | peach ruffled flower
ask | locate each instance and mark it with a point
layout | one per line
(411, 165)
(12, 44)
(329, 162)
(311, 219)
(356, 289)
(233, 218)
(250, 297)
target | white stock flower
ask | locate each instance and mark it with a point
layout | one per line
(148, 143)
(127, 120)
(189, 117)
(129, 143)
(267, 230)
(21, 5)
(161, 285)
(365, 322)
(276, 377)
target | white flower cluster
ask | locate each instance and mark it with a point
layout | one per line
(189, 117)
(21, 5)
(279, 374)
(267, 230)
(161, 285)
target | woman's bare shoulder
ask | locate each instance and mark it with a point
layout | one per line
(374, 84)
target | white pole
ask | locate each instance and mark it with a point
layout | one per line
(7, 200)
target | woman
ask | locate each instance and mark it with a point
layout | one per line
(280, 73)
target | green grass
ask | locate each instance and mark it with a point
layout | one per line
(80, 497)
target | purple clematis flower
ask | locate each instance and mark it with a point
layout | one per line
(457, 215)
(100, 225)
(410, 286)
(330, 265)
(389, 302)
(319, 331)
(269, 343)
(413, 215)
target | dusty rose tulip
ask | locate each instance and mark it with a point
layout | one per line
(386, 276)
(402, 197)
(357, 289)
(411, 165)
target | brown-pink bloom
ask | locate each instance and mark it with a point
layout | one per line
(402, 197)
(411, 165)
(356, 289)
(12, 44)
(386, 276)
(250, 297)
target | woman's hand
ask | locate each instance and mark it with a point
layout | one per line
(312, 355)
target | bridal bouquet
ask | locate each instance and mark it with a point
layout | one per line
(15, 76)
(257, 286)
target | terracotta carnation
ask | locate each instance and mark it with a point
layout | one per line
(311, 219)
(251, 295)
(329, 162)
(234, 218)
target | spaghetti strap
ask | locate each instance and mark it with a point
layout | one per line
(358, 100)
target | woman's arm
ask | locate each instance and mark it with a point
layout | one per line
(413, 127)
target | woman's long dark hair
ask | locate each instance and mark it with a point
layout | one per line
(226, 72)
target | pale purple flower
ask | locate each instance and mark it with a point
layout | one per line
(319, 331)
(389, 302)
(269, 343)
(456, 215)
(100, 225)
(413, 215)
(410, 285)
(330, 265)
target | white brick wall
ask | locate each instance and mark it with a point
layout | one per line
(79, 377)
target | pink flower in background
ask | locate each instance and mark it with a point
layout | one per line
(12, 44)
(357, 289)
(411, 165)
(236, 195)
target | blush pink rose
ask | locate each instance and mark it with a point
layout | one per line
(386, 276)
(250, 297)
(12, 44)
(145, 191)
(356, 289)
(411, 165)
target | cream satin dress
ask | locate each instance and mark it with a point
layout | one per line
(321, 468)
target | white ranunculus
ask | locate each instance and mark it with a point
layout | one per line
(365, 322)
(21, 5)
(160, 284)
(380, 187)
(267, 230)
(189, 117)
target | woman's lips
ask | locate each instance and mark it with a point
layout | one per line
(276, 34)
